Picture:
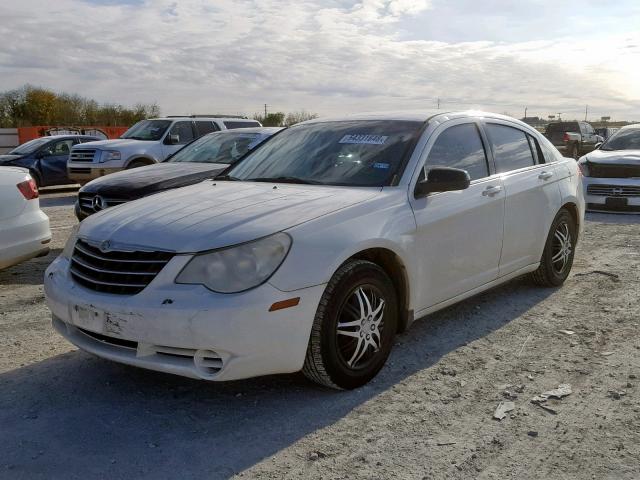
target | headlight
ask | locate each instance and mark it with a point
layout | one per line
(584, 168)
(71, 243)
(108, 155)
(238, 268)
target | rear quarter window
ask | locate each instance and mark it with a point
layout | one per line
(511, 148)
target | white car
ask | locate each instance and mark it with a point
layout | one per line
(24, 228)
(316, 249)
(612, 173)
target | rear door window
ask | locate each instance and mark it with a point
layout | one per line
(511, 148)
(204, 127)
(461, 147)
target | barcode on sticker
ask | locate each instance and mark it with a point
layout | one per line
(364, 139)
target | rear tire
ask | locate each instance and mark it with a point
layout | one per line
(557, 257)
(354, 327)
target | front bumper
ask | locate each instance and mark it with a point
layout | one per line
(83, 172)
(185, 329)
(625, 193)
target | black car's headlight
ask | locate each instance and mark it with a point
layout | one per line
(238, 268)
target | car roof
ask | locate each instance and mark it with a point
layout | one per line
(195, 118)
(633, 126)
(419, 116)
(64, 137)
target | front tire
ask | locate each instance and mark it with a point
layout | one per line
(354, 327)
(557, 257)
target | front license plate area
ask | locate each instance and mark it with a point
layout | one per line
(616, 202)
(88, 317)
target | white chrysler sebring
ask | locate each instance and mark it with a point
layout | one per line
(317, 248)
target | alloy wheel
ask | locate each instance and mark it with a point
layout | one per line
(561, 247)
(360, 326)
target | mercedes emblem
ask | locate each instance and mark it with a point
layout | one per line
(99, 203)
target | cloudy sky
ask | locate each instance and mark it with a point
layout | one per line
(331, 56)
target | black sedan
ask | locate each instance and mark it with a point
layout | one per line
(197, 161)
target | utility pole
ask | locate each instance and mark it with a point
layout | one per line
(586, 110)
(265, 110)
(525, 112)
(438, 104)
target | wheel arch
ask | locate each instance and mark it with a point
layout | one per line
(140, 158)
(394, 267)
(574, 211)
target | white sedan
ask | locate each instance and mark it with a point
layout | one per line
(612, 173)
(24, 228)
(317, 248)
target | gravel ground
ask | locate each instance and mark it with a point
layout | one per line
(429, 414)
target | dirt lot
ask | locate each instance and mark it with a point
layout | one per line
(65, 414)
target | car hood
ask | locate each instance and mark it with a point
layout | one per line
(115, 144)
(4, 159)
(627, 157)
(142, 181)
(212, 214)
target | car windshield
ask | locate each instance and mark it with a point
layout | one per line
(30, 147)
(147, 130)
(623, 140)
(363, 153)
(221, 147)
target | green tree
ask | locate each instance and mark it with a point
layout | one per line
(300, 116)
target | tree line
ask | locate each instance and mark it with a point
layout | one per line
(30, 106)
(281, 119)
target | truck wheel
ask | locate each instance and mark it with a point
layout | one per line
(354, 327)
(574, 151)
(136, 164)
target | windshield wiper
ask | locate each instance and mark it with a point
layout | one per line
(285, 179)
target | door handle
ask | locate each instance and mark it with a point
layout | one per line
(491, 191)
(545, 175)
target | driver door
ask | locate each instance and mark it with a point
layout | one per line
(459, 233)
(183, 130)
(53, 162)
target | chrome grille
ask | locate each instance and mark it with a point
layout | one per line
(614, 190)
(118, 272)
(87, 205)
(601, 170)
(82, 155)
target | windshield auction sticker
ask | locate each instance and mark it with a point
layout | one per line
(364, 139)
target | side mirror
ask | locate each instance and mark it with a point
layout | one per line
(174, 139)
(442, 179)
(598, 145)
(40, 155)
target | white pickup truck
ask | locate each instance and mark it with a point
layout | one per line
(145, 143)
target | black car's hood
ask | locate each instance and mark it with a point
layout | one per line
(139, 182)
(4, 159)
